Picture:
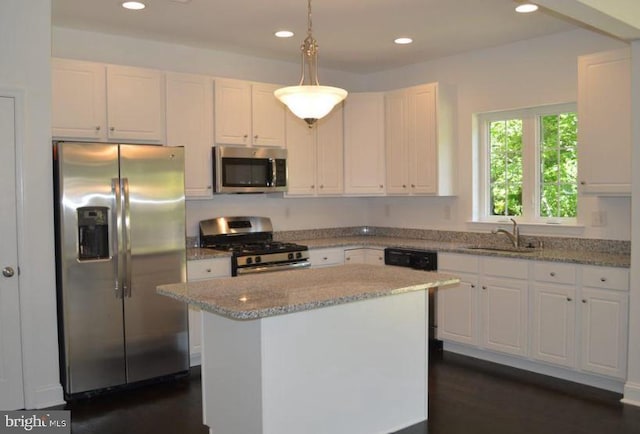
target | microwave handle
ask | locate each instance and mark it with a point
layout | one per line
(274, 172)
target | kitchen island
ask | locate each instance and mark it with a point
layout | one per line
(330, 350)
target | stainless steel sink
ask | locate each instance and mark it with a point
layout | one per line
(507, 249)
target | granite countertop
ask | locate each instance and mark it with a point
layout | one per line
(268, 294)
(584, 256)
(587, 257)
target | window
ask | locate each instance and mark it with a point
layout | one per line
(529, 164)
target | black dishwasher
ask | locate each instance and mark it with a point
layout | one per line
(426, 260)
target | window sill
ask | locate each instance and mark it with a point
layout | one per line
(530, 228)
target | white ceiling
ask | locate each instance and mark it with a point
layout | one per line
(353, 35)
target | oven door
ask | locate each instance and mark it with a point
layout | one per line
(249, 170)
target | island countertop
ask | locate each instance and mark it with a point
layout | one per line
(268, 294)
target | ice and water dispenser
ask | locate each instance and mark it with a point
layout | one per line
(93, 233)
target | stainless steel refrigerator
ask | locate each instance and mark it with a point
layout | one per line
(120, 232)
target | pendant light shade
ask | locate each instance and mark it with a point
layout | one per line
(309, 100)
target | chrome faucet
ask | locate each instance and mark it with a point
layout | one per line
(513, 236)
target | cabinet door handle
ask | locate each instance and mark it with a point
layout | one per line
(324, 258)
(473, 286)
(413, 186)
(98, 128)
(404, 186)
(381, 186)
(583, 183)
(603, 279)
(348, 259)
(584, 301)
(208, 270)
(112, 128)
(321, 186)
(209, 187)
(245, 136)
(255, 137)
(569, 298)
(484, 287)
(552, 274)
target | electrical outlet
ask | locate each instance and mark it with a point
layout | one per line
(598, 218)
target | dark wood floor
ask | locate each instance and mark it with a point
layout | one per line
(466, 396)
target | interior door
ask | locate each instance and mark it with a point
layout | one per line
(11, 385)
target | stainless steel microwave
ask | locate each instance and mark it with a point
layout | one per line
(249, 170)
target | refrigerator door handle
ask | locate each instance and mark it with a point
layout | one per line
(127, 237)
(117, 237)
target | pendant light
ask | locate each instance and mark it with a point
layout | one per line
(309, 100)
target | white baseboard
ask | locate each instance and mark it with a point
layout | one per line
(539, 368)
(631, 394)
(44, 397)
(195, 359)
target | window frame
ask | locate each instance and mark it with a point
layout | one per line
(531, 159)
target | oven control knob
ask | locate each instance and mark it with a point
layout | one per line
(298, 255)
(258, 259)
(290, 256)
(249, 260)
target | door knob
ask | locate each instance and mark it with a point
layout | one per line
(8, 272)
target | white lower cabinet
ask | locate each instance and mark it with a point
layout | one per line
(202, 269)
(553, 328)
(604, 321)
(364, 256)
(565, 315)
(503, 305)
(458, 310)
(326, 257)
(489, 307)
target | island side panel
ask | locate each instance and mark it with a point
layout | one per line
(231, 375)
(355, 368)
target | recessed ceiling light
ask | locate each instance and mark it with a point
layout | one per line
(134, 6)
(525, 8)
(284, 33)
(403, 41)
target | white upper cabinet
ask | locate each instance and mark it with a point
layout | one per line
(248, 114)
(330, 152)
(604, 116)
(190, 124)
(364, 144)
(419, 125)
(267, 115)
(94, 101)
(135, 104)
(315, 155)
(78, 102)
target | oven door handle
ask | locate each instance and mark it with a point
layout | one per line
(273, 267)
(274, 172)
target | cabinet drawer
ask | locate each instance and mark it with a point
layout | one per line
(457, 262)
(511, 268)
(325, 257)
(605, 277)
(208, 268)
(555, 272)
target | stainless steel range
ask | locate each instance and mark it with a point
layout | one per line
(250, 241)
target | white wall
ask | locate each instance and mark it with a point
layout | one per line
(25, 47)
(632, 387)
(528, 73)
(100, 47)
(285, 214)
